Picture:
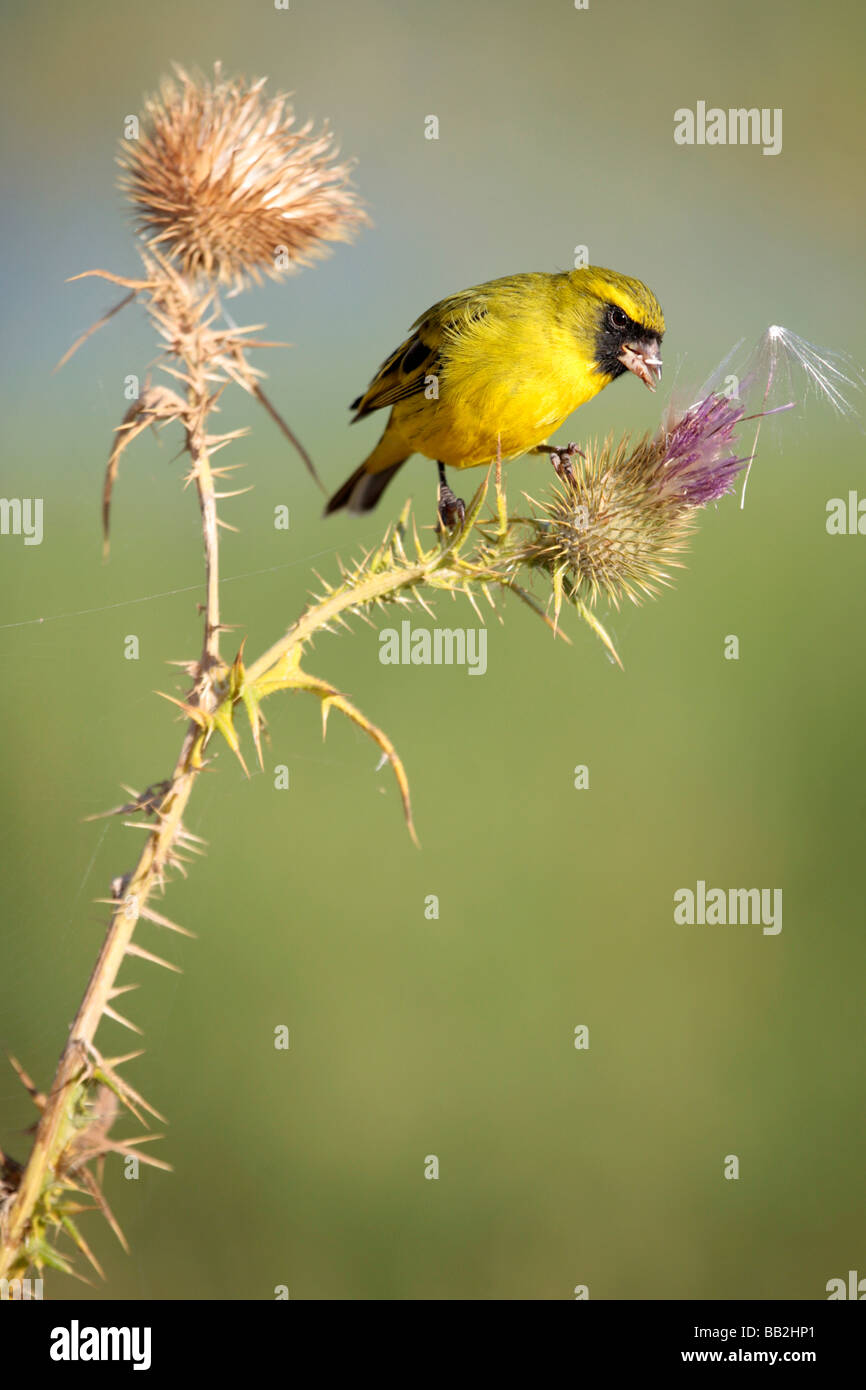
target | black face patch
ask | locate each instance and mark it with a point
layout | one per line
(614, 331)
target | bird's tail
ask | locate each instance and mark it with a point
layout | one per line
(361, 492)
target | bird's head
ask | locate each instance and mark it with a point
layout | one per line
(627, 325)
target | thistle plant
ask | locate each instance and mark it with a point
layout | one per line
(225, 191)
(230, 188)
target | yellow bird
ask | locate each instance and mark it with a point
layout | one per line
(495, 370)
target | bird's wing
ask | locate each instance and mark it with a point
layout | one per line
(406, 371)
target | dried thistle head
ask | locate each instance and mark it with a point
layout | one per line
(617, 530)
(225, 185)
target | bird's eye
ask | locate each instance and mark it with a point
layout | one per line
(617, 317)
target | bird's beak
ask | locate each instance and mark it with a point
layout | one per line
(643, 358)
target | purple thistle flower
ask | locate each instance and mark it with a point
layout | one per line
(699, 463)
(622, 525)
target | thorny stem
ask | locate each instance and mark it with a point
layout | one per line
(446, 562)
(133, 892)
(318, 616)
(210, 527)
(51, 1136)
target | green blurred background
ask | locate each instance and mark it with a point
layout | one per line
(453, 1037)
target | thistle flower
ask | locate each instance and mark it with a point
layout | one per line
(225, 185)
(697, 461)
(617, 529)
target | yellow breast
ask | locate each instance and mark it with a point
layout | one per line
(509, 383)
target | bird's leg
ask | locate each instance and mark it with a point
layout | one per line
(561, 460)
(451, 509)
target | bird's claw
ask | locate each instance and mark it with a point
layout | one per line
(451, 508)
(561, 460)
